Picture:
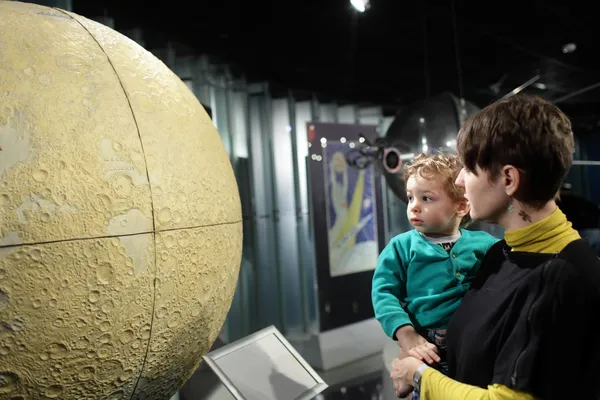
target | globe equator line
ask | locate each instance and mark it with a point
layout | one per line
(8, 246)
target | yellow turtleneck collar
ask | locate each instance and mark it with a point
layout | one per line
(550, 235)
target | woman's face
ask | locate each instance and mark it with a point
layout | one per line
(487, 198)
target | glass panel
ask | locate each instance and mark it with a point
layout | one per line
(580, 197)
(328, 113)
(370, 116)
(238, 119)
(267, 275)
(347, 114)
(307, 263)
(287, 229)
(220, 115)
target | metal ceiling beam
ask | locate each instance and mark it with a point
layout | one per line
(520, 88)
(577, 93)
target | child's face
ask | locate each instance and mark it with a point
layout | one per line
(430, 207)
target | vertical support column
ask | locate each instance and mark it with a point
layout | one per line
(346, 114)
(385, 191)
(217, 85)
(269, 296)
(250, 323)
(201, 86)
(298, 163)
(184, 68)
(304, 113)
(315, 109)
(286, 210)
(244, 302)
(328, 113)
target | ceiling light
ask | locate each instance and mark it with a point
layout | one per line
(569, 48)
(360, 5)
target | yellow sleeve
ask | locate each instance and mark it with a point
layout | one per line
(437, 386)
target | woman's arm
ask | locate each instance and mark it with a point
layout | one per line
(437, 386)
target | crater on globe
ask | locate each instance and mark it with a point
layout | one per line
(120, 218)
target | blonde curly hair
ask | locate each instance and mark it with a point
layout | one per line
(444, 167)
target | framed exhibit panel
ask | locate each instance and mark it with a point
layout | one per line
(347, 219)
(264, 366)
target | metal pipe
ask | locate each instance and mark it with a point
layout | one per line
(577, 93)
(520, 88)
(585, 162)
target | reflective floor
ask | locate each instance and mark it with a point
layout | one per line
(367, 388)
(363, 388)
(356, 381)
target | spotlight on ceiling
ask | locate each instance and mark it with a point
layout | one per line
(360, 5)
(569, 48)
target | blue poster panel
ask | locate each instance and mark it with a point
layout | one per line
(347, 220)
(351, 211)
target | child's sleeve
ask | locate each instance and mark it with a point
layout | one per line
(389, 286)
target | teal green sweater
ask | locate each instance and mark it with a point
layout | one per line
(419, 283)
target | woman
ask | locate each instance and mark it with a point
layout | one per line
(526, 328)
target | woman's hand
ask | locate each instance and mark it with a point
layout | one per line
(403, 370)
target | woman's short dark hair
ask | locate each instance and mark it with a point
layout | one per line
(526, 132)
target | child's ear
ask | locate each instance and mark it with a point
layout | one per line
(462, 208)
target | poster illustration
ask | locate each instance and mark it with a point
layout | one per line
(351, 213)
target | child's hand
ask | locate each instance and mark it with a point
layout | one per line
(426, 352)
(416, 345)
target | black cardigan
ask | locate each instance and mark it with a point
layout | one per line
(530, 322)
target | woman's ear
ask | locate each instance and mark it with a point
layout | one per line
(510, 178)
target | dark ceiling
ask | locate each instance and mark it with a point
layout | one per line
(395, 53)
